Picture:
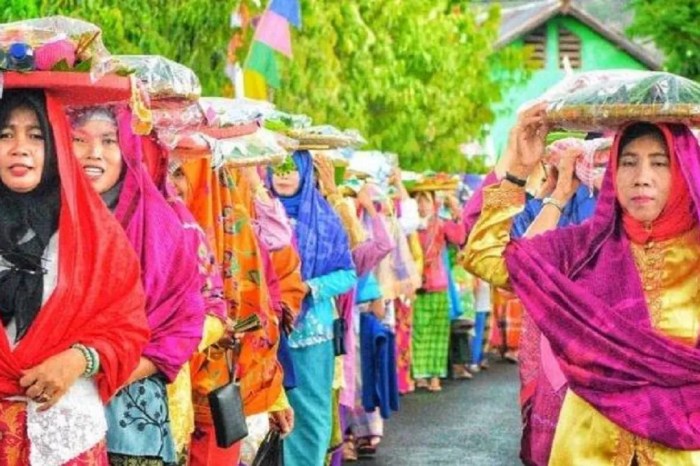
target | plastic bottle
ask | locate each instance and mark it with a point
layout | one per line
(20, 57)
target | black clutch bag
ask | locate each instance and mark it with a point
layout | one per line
(339, 328)
(226, 407)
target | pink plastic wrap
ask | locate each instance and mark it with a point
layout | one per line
(590, 166)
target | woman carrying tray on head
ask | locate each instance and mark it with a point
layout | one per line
(110, 154)
(616, 297)
(71, 298)
(431, 321)
(328, 271)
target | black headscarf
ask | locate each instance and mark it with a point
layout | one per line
(37, 211)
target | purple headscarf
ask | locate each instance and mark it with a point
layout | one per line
(174, 303)
(582, 288)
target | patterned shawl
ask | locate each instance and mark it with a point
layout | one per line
(215, 202)
(582, 288)
(174, 307)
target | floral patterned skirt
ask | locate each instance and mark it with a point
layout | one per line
(14, 443)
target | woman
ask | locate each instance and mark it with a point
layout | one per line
(74, 329)
(217, 205)
(110, 155)
(543, 385)
(431, 324)
(328, 271)
(615, 297)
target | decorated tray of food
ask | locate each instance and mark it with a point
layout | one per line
(326, 137)
(261, 147)
(54, 43)
(163, 79)
(431, 181)
(610, 99)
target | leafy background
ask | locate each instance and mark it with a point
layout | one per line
(416, 77)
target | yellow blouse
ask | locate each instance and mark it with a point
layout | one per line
(345, 208)
(180, 391)
(668, 271)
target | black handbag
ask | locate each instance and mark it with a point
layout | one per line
(271, 451)
(339, 328)
(226, 406)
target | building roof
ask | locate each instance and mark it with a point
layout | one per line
(519, 18)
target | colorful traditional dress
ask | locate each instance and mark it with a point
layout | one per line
(222, 212)
(431, 319)
(328, 270)
(617, 304)
(138, 415)
(80, 299)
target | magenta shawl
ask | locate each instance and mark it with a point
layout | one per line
(582, 288)
(174, 303)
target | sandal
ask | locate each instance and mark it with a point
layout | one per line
(349, 450)
(435, 385)
(460, 372)
(367, 447)
(422, 383)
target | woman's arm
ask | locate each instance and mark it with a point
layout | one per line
(483, 254)
(331, 285)
(566, 187)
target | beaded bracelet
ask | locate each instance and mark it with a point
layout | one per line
(92, 359)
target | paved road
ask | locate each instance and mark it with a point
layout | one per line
(473, 422)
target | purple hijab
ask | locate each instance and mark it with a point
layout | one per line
(174, 303)
(581, 287)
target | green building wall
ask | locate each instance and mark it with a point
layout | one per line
(597, 53)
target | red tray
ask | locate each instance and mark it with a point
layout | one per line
(76, 89)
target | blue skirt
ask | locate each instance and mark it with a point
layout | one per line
(138, 421)
(308, 443)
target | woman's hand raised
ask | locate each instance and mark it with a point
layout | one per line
(527, 142)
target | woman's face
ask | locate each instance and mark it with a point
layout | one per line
(644, 178)
(180, 183)
(426, 208)
(96, 145)
(22, 149)
(286, 184)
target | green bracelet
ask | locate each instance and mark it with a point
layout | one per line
(92, 359)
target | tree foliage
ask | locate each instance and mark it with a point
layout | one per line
(192, 32)
(416, 77)
(673, 27)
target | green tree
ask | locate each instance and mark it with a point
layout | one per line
(416, 77)
(673, 28)
(192, 32)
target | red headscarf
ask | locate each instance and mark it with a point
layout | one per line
(677, 216)
(99, 300)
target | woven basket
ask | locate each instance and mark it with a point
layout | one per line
(433, 186)
(320, 141)
(593, 117)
